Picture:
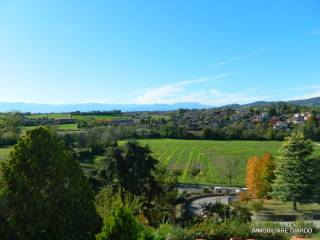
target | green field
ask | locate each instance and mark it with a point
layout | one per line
(50, 115)
(158, 117)
(209, 156)
(105, 117)
(273, 206)
(59, 127)
(4, 153)
(99, 117)
(67, 127)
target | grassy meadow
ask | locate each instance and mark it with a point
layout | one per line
(104, 117)
(50, 115)
(4, 153)
(210, 157)
(99, 117)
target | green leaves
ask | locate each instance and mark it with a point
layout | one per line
(297, 175)
(47, 195)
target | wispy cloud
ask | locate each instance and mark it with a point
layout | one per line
(306, 92)
(172, 93)
(218, 97)
(185, 91)
(238, 58)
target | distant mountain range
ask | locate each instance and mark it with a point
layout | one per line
(47, 108)
(304, 102)
(84, 107)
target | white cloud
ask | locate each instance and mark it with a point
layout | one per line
(218, 97)
(311, 91)
(237, 58)
(179, 92)
(172, 93)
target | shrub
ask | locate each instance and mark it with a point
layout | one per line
(7, 138)
(169, 232)
(268, 236)
(163, 231)
(244, 196)
(219, 209)
(213, 230)
(177, 172)
(303, 225)
(256, 205)
(120, 225)
(206, 190)
(225, 212)
(239, 213)
(179, 233)
(195, 172)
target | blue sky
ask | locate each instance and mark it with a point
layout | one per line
(212, 52)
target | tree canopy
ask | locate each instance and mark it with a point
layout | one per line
(297, 172)
(45, 192)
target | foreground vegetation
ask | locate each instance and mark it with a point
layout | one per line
(131, 195)
(4, 153)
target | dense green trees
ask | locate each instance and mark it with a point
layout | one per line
(130, 167)
(12, 121)
(10, 124)
(297, 173)
(131, 170)
(44, 192)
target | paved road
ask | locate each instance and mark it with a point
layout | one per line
(198, 188)
(195, 206)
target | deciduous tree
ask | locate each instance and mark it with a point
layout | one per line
(260, 175)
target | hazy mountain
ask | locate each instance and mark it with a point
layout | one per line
(308, 102)
(303, 102)
(47, 108)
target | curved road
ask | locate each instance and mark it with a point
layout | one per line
(195, 206)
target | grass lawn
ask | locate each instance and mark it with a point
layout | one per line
(158, 117)
(60, 127)
(209, 156)
(4, 153)
(99, 117)
(272, 206)
(316, 236)
(50, 115)
(67, 127)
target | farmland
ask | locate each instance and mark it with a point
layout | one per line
(209, 156)
(99, 117)
(77, 116)
(50, 115)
